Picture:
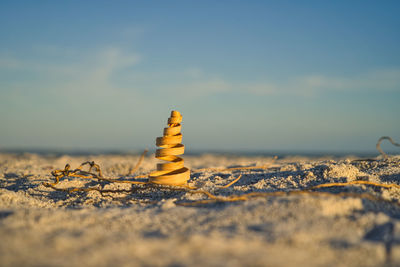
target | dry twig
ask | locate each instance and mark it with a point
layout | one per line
(378, 145)
(97, 174)
(134, 169)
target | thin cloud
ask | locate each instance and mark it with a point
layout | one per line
(311, 85)
(109, 72)
(85, 75)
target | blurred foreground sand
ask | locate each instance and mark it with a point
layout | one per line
(43, 227)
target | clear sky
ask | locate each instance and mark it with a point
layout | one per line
(246, 75)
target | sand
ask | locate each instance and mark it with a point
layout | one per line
(148, 227)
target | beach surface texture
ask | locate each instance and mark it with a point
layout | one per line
(276, 214)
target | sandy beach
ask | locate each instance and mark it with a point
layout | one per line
(353, 225)
(272, 127)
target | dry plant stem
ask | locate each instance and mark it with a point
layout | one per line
(308, 191)
(356, 183)
(366, 159)
(378, 145)
(235, 168)
(231, 183)
(70, 190)
(134, 169)
(92, 165)
(94, 176)
(266, 166)
(78, 172)
(58, 174)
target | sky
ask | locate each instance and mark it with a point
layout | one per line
(245, 75)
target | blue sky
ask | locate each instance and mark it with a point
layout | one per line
(246, 75)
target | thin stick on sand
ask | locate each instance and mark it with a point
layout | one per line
(378, 145)
(134, 169)
(212, 198)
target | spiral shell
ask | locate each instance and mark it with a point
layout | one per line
(173, 172)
